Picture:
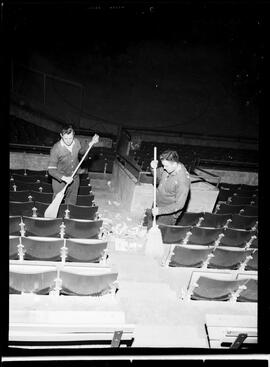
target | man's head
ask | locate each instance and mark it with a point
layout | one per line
(169, 160)
(67, 135)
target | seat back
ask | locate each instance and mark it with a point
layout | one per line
(235, 237)
(189, 219)
(82, 228)
(42, 227)
(42, 248)
(42, 197)
(239, 221)
(19, 196)
(204, 236)
(215, 220)
(85, 200)
(85, 250)
(21, 208)
(14, 225)
(173, 233)
(82, 212)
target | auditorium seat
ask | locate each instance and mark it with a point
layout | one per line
(42, 227)
(78, 283)
(19, 171)
(46, 187)
(40, 208)
(24, 178)
(204, 236)
(250, 210)
(240, 200)
(224, 208)
(85, 200)
(82, 212)
(215, 289)
(245, 193)
(31, 172)
(86, 250)
(174, 234)
(189, 256)
(85, 182)
(21, 208)
(42, 197)
(249, 187)
(15, 225)
(14, 242)
(230, 186)
(20, 186)
(84, 190)
(229, 258)
(239, 221)
(236, 237)
(26, 279)
(82, 228)
(189, 219)
(250, 293)
(215, 220)
(19, 196)
(224, 194)
(253, 262)
(42, 248)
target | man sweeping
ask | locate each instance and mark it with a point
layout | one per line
(171, 196)
(173, 188)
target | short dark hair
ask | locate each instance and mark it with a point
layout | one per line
(169, 155)
(68, 129)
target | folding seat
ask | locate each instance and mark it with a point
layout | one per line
(31, 280)
(37, 173)
(85, 182)
(190, 219)
(245, 193)
(224, 194)
(189, 256)
(23, 178)
(211, 289)
(85, 200)
(27, 186)
(215, 220)
(82, 228)
(229, 258)
(250, 210)
(243, 222)
(21, 208)
(14, 242)
(224, 208)
(174, 234)
(250, 293)
(205, 236)
(46, 187)
(230, 186)
(84, 190)
(85, 250)
(80, 284)
(239, 200)
(15, 225)
(18, 171)
(19, 196)
(236, 237)
(253, 262)
(249, 187)
(84, 176)
(42, 197)
(82, 212)
(42, 248)
(42, 227)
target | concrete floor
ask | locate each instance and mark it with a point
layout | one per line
(149, 294)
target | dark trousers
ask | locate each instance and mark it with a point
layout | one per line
(71, 192)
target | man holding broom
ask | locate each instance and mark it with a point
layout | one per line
(173, 188)
(63, 161)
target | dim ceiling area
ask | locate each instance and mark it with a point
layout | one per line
(193, 67)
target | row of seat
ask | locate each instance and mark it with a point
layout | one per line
(204, 236)
(57, 249)
(224, 208)
(57, 227)
(37, 209)
(197, 256)
(44, 187)
(212, 286)
(44, 278)
(46, 197)
(207, 219)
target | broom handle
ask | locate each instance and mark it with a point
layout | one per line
(155, 186)
(85, 154)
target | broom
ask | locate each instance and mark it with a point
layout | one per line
(52, 210)
(154, 244)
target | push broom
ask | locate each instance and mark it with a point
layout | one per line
(154, 244)
(52, 210)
